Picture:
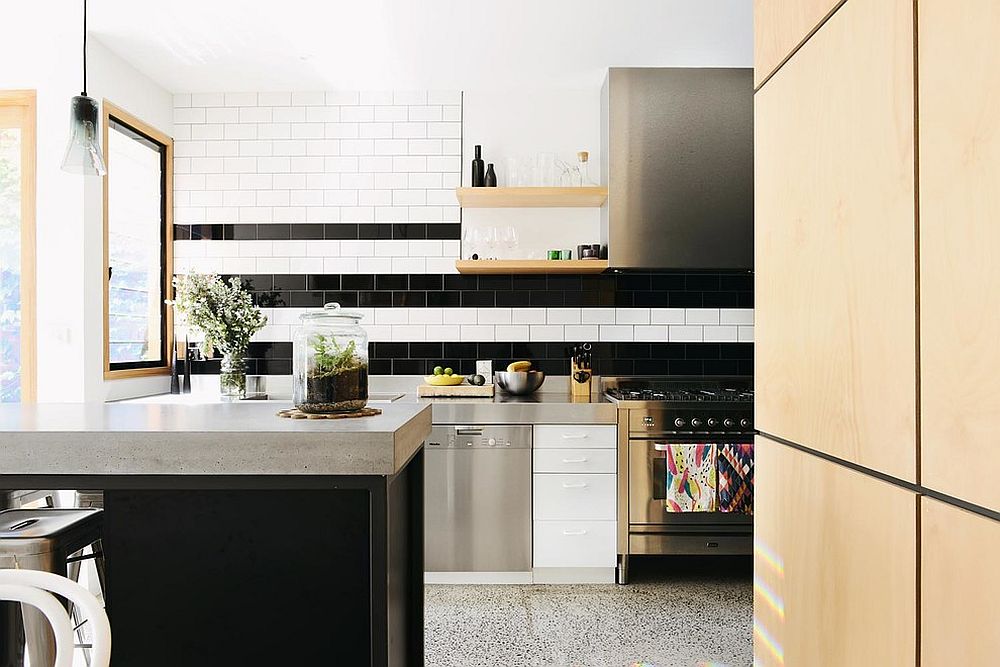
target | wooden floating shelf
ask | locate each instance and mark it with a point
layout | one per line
(505, 266)
(582, 197)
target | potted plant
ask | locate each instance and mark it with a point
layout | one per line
(226, 317)
(337, 378)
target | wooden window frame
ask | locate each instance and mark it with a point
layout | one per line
(109, 110)
(25, 101)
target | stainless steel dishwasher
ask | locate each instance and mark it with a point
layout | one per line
(477, 511)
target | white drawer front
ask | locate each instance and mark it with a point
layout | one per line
(575, 437)
(574, 460)
(581, 496)
(575, 544)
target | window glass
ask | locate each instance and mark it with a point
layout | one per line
(10, 264)
(136, 235)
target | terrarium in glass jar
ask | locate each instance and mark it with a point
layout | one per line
(330, 362)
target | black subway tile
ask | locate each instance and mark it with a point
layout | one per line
(426, 350)
(290, 281)
(357, 281)
(481, 298)
(274, 231)
(346, 299)
(272, 299)
(459, 282)
(306, 231)
(380, 366)
(685, 367)
(392, 350)
(444, 231)
(338, 231)
(702, 282)
(736, 283)
(684, 299)
(323, 282)
(426, 282)
(720, 300)
(390, 282)
(547, 298)
(513, 298)
(375, 231)
(409, 299)
(495, 282)
(494, 350)
(459, 350)
(258, 282)
(444, 299)
(274, 366)
(408, 367)
(528, 283)
(306, 299)
(374, 299)
(565, 283)
(412, 231)
(182, 232)
(240, 232)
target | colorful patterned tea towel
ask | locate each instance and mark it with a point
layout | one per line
(691, 478)
(736, 478)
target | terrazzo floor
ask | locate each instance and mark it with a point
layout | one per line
(676, 612)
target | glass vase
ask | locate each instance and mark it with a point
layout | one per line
(233, 376)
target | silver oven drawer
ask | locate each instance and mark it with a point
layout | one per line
(690, 544)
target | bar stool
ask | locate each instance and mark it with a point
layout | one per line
(49, 540)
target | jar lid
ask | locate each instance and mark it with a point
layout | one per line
(333, 311)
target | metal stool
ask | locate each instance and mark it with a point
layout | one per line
(50, 540)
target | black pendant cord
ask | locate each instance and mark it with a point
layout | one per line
(84, 48)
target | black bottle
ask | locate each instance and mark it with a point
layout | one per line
(490, 180)
(477, 168)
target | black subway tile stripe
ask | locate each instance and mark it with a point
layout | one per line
(306, 232)
(391, 282)
(375, 231)
(341, 232)
(277, 231)
(357, 281)
(609, 358)
(274, 231)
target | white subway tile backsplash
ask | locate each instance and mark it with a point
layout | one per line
(232, 165)
(423, 113)
(545, 332)
(461, 316)
(632, 316)
(736, 316)
(477, 333)
(182, 100)
(240, 99)
(380, 97)
(451, 112)
(528, 316)
(685, 334)
(653, 333)
(447, 332)
(444, 97)
(598, 316)
(582, 332)
(444, 130)
(357, 114)
(702, 316)
(222, 115)
(666, 316)
(563, 316)
(409, 97)
(323, 114)
(307, 130)
(342, 97)
(409, 333)
(272, 265)
(745, 334)
(221, 148)
(240, 131)
(323, 248)
(494, 316)
(409, 265)
(288, 114)
(302, 99)
(255, 114)
(375, 131)
(210, 132)
(392, 316)
(340, 265)
(515, 333)
(274, 99)
(189, 115)
(616, 333)
(389, 114)
(426, 316)
(208, 165)
(720, 334)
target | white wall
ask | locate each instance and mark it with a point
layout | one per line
(113, 79)
(43, 53)
(524, 122)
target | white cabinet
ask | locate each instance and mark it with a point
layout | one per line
(574, 491)
(570, 436)
(575, 544)
(574, 460)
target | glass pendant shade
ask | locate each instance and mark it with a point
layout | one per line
(83, 154)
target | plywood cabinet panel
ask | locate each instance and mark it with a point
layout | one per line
(835, 271)
(960, 248)
(834, 564)
(960, 587)
(779, 26)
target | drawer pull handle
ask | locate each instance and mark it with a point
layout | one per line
(574, 532)
(574, 436)
(582, 459)
(579, 485)
(661, 446)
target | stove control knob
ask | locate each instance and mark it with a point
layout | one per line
(729, 423)
(492, 442)
(712, 422)
(696, 422)
(679, 423)
(745, 423)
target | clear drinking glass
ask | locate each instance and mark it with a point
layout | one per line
(509, 241)
(511, 173)
(546, 165)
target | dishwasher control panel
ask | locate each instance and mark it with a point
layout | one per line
(480, 437)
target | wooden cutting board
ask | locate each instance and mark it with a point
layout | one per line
(455, 391)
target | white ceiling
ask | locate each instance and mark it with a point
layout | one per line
(232, 45)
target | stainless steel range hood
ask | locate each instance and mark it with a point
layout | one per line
(677, 157)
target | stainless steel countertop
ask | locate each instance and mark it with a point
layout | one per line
(204, 438)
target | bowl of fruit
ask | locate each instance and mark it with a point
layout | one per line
(444, 377)
(519, 379)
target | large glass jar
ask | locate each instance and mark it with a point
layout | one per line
(330, 361)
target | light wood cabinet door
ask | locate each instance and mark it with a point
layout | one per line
(959, 587)
(834, 564)
(781, 25)
(960, 248)
(835, 272)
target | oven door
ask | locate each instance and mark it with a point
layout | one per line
(647, 471)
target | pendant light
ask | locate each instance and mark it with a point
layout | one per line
(83, 154)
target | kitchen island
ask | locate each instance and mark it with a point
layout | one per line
(234, 537)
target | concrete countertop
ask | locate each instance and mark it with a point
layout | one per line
(210, 438)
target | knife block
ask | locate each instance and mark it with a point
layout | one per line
(579, 388)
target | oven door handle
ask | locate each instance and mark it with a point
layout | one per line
(661, 446)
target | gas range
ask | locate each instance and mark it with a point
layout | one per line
(684, 404)
(700, 425)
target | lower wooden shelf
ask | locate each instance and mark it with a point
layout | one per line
(531, 265)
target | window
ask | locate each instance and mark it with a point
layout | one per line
(17, 246)
(137, 243)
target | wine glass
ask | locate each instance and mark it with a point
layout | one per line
(508, 238)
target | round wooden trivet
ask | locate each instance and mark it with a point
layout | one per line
(295, 413)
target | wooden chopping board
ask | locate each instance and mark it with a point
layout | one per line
(455, 391)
